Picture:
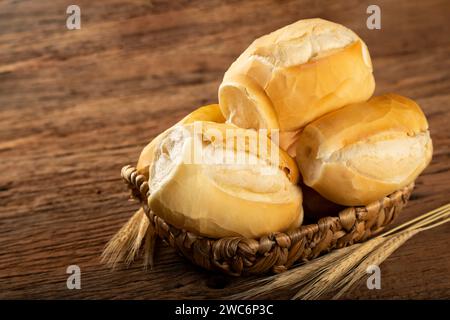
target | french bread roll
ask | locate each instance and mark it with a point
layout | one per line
(365, 151)
(216, 198)
(206, 113)
(292, 76)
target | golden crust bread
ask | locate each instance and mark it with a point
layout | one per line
(365, 151)
(206, 113)
(213, 198)
(296, 74)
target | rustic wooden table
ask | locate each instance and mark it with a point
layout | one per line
(77, 105)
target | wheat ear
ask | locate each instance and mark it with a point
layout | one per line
(328, 275)
(125, 244)
(342, 268)
(394, 241)
(287, 279)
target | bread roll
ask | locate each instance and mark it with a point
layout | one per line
(296, 74)
(207, 113)
(365, 151)
(214, 198)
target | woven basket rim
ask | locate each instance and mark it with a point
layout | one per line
(138, 184)
(352, 224)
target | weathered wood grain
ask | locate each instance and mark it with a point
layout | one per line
(77, 105)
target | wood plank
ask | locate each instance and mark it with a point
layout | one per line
(75, 106)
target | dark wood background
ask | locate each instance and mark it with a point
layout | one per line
(75, 106)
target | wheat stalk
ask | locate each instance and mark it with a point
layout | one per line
(375, 258)
(126, 243)
(320, 283)
(433, 214)
(149, 246)
(390, 241)
(384, 251)
(344, 267)
(288, 278)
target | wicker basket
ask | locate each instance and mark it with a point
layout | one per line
(276, 252)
